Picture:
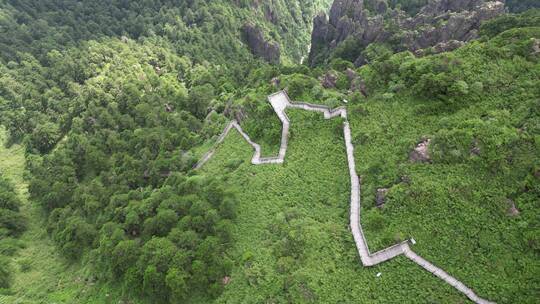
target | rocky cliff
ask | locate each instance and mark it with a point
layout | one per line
(441, 25)
(260, 47)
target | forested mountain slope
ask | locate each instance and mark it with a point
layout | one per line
(113, 102)
(46, 55)
(471, 203)
(201, 30)
(112, 98)
(12, 224)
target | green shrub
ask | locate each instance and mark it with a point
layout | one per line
(8, 246)
(6, 273)
(233, 164)
(25, 265)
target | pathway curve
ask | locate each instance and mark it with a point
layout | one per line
(280, 102)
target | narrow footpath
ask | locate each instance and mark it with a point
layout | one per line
(280, 102)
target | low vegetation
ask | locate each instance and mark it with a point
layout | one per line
(12, 224)
(472, 208)
(106, 119)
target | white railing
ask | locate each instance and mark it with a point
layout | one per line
(280, 102)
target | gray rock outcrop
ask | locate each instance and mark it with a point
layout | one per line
(442, 25)
(269, 51)
(328, 80)
(536, 47)
(512, 209)
(358, 85)
(420, 154)
(380, 198)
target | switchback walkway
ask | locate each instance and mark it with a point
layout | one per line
(280, 102)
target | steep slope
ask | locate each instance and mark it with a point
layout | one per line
(471, 205)
(439, 26)
(115, 101)
(201, 30)
(37, 272)
(70, 101)
(292, 239)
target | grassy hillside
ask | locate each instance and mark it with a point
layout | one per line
(292, 239)
(39, 273)
(478, 105)
(109, 129)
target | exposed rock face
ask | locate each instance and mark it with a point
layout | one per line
(381, 7)
(536, 47)
(254, 38)
(512, 209)
(421, 152)
(440, 47)
(381, 197)
(328, 80)
(357, 83)
(351, 74)
(442, 25)
(475, 149)
(275, 82)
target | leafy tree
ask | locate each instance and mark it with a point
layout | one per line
(6, 273)
(12, 223)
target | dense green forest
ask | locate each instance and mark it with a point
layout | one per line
(201, 30)
(105, 107)
(110, 183)
(12, 224)
(110, 101)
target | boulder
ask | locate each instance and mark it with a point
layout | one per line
(351, 74)
(512, 209)
(475, 149)
(536, 46)
(329, 79)
(380, 198)
(421, 152)
(360, 61)
(275, 82)
(451, 45)
(359, 85)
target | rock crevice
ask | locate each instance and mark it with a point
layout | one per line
(259, 46)
(440, 26)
